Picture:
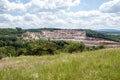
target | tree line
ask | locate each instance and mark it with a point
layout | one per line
(42, 47)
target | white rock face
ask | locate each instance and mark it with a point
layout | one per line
(55, 35)
(31, 36)
(64, 34)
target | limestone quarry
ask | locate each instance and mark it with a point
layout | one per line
(68, 35)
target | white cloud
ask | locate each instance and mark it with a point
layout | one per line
(34, 6)
(112, 6)
(50, 5)
(81, 19)
(54, 13)
(93, 20)
(6, 7)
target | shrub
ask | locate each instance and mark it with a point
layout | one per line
(98, 47)
(75, 47)
(101, 46)
(37, 51)
(7, 51)
(21, 51)
(94, 48)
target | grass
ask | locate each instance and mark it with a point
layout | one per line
(95, 65)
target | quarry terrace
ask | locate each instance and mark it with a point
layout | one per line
(69, 35)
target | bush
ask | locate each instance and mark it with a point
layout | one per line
(60, 44)
(7, 51)
(101, 46)
(75, 47)
(98, 47)
(37, 51)
(94, 48)
(43, 50)
(21, 51)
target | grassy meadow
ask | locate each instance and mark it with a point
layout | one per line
(92, 65)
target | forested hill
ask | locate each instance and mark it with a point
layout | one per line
(40, 29)
(91, 33)
(9, 33)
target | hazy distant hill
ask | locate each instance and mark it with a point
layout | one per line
(109, 31)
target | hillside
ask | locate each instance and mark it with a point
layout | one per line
(94, 65)
(8, 33)
(103, 35)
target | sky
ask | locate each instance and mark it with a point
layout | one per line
(66, 14)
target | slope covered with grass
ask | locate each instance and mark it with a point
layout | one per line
(95, 65)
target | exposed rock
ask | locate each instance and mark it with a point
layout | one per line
(54, 35)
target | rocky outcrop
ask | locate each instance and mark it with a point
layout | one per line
(31, 36)
(55, 35)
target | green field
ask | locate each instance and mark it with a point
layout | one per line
(94, 65)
